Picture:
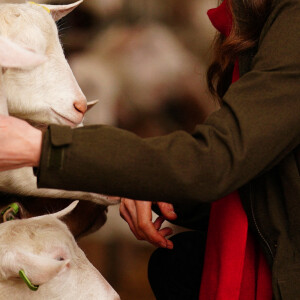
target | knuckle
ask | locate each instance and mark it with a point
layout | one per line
(123, 200)
(141, 234)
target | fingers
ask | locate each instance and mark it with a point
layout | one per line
(128, 217)
(167, 210)
(138, 215)
(147, 229)
(158, 222)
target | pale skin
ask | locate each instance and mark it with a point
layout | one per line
(20, 146)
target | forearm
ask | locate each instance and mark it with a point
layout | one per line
(108, 160)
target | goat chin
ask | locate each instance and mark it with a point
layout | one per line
(38, 125)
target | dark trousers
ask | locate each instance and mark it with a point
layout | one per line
(176, 274)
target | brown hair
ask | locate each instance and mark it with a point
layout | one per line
(248, 19)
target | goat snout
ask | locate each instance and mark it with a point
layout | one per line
(80, 106)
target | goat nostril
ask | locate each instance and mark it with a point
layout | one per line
(80, 106)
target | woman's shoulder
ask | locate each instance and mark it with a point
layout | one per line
(279, 8)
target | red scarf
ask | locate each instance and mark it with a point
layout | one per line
(234, 266)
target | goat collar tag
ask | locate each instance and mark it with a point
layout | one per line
(27, 281)
(44, 7)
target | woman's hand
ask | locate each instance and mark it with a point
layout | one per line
(138, 215)
(20, 144)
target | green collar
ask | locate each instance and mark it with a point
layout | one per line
(27, 281)
(10, 212)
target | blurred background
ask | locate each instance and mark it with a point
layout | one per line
(145, 60)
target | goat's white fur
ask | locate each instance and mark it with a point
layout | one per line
(37, 84)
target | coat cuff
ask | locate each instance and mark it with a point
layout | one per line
(55, 142)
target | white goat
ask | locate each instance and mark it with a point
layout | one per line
(46, 251)
(38, 84)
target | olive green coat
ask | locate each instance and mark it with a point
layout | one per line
(250, 144)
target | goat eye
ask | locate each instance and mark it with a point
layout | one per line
(60, 258)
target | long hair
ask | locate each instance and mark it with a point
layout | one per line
(248, 19)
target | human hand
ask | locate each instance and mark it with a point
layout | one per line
(20, 144)
(138, 215)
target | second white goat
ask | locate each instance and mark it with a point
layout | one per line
(54, 266)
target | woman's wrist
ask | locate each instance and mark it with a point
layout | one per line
(36, 146)
(21, 144)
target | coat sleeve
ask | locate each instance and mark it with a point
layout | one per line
(257, 126)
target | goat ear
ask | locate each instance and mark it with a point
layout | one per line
(39, 269)
(59, 11)
(15, 56)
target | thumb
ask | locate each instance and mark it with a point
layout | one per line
(167, 210)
